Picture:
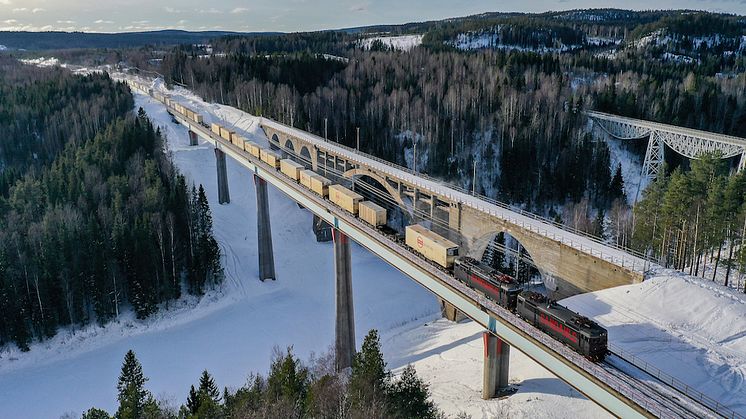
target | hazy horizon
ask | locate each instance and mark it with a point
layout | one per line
(283, 15)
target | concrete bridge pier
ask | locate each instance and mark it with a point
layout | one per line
(496, 363)
(450, 312)
(224, 196)
(264, 231)
(192, 138)
(344, 342)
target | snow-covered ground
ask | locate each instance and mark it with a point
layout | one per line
(401, 42)
(690, 328)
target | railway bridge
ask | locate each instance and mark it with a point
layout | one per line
(690, 143)
(570, 262)
(621, 386)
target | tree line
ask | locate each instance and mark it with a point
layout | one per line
(109, 225)
(291, 389)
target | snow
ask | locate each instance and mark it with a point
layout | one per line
(401, 42)
(3, 48)
(41, 61)
(634, 181)
(690, 328)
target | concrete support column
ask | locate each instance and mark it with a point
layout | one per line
(224, 196)
(344, 343)
(264, 231)
(450, 312)
(192, 138)
(496, 363)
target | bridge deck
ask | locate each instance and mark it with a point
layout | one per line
(651, 125)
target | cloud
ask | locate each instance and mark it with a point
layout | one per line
(171, 10)
(100, 21)
(37, 10)
(362, 7)
(10, 21)
(19, 9)
(211, 10)
(182, 21)
(66, 22)
(238, 10)
(6, 2)
(140, 22)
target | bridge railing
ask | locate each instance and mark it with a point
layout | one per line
(637, 262)
(673, 382)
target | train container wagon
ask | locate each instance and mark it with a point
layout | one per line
(345, 198)
(580, 333)
(215, 128)
(431, 245)
(237, 140)
(270, 157)
(226, 134)
(291, 169)
(315, 182)
(372, 213)
(497, 286)
(253, 148)
(198, 118)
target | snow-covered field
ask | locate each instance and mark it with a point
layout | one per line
(691, 329)
(401, 42)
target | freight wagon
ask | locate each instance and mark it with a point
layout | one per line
(430, 245)
(291, 169)
(372, 213)
(215, 128)
(315, 182)
(270, 157)
(345, 198)
(253, 148)
(226, 134)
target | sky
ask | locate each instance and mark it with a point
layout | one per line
(284, 15)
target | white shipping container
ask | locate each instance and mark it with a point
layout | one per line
(291, 168)
(431, 245)
(345, 198)
(372, 213)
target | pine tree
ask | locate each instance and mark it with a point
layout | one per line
(409, 397)
(193, 401)
(131, 387)
(288, 380)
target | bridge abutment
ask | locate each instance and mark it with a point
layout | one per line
(264, 231)
(192, 138)
(344, 341)
(224, 196)
(496, 366)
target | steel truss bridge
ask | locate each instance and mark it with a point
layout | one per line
(690, 143)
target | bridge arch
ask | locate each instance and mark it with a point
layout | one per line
(289, 145)
(353, 173)
(275, 139)
(481, 248)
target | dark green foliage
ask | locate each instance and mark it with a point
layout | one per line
(132, 394)
(409, 397)
(108, 223)
(94, 413)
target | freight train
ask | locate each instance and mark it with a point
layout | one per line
(572, 329)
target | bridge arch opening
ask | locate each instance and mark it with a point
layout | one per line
(275, 139)
(507, 254)
(374, 189)
(305, 155)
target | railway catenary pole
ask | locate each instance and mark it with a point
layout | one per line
(344, 336)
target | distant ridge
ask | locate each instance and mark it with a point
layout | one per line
(71, 40)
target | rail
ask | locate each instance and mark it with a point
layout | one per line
(638, 262)
(675, 383)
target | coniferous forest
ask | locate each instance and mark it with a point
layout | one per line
(292, 389)
(94, 219)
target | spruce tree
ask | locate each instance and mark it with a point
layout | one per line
(207, 387)
(94, 413)
(131, 388)
(409, 397)
(193, 401)
(369, 380)
(616, 188)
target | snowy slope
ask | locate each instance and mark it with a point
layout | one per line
(691, 328)
(401, 42)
